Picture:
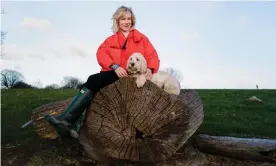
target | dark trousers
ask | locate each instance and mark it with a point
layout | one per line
(97, 81)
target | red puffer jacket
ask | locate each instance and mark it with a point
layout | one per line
(110, 51)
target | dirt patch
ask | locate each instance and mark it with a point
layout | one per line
(47, 153)
(15, 155)
(57, 154)
(192, 157)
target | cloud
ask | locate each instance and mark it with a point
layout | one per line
(13, 52)
(34, 23)
(51, 62)
(64, 47)
(58, 48)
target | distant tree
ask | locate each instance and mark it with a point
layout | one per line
(71, 82)
(21, 85)
(52, 86)
(10, 77)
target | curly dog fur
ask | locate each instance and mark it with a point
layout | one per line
(137, 66)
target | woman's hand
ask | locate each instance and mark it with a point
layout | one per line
(148, 74)
(121, 72)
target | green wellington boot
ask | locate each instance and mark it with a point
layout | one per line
(64, 121)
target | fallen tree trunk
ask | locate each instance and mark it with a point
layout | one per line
(126, 123)
(240, 148)
(40, 125)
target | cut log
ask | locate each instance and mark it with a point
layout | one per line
(141, 124)
(240, 148)
(41, 126)
(133, 124)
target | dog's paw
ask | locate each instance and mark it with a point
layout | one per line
(140, 81)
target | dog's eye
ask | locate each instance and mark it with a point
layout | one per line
(137, 59)
(131, 59)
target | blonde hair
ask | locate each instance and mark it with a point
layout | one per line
(119, 14)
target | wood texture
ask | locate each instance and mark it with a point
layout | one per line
(141, 124)
(240, 148)
(126, 123)
(41, 126)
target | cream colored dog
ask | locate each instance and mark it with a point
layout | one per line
(137, 66)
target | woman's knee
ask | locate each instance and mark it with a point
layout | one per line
(99, 80)
(91, 77)
(90, 80)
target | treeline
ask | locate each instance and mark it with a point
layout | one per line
(12, 79)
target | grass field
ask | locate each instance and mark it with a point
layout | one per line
(227, 112)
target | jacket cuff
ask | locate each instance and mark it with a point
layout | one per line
(114, 66)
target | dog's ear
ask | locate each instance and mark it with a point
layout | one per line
(128, 61)
(143, 63)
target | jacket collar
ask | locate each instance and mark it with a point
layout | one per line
(134, 34)
(137, 36)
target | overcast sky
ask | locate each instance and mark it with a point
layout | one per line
(215, 45)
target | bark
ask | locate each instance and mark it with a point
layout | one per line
(240, 148)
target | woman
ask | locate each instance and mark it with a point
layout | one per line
(112, 56)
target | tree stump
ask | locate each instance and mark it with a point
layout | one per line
(126, 123)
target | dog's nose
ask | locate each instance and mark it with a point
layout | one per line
(132, 64)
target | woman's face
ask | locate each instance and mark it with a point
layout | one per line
(125, 22)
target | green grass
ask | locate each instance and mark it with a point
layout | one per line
(16, 109)
(226, 112)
